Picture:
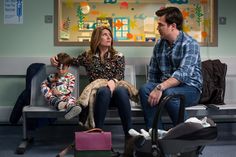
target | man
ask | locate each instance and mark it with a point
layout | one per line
(174, 68)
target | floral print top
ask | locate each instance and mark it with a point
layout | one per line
(110, 68)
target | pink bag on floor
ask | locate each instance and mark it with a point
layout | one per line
(94, 142)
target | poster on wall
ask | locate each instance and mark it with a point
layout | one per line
(132, 22)
(13, 11)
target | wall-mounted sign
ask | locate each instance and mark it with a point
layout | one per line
(13, 11)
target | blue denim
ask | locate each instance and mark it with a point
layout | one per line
(119, 99)
(191, 94)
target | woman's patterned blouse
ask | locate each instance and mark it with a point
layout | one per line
(110, 68)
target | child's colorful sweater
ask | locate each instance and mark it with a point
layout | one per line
(64, 84)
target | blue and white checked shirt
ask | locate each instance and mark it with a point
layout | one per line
(181, 61)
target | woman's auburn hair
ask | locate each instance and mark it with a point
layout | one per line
(96, 40)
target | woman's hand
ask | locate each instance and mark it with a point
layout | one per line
(54, 61)
(154, 97)
(111, 84)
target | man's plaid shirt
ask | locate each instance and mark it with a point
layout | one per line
(181, 61)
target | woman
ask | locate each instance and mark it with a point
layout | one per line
(103, 62)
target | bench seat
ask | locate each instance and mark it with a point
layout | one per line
(219, 113)
(38, 108)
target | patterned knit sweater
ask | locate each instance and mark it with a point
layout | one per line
(64, 84)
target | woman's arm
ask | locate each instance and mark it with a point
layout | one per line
(120, 67)
(81, 60)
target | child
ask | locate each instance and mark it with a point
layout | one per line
(57, 88)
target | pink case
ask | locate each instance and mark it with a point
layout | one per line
(93, 140)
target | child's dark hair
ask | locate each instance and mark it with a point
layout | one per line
(64, 58)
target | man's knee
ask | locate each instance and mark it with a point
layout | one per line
(144, 89)
(169, 91)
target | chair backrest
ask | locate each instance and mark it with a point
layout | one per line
(130, 76)
(37, 98)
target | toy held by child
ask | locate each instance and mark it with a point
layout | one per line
(58, 87)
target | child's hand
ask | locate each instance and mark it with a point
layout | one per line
(56, 92)
(54, 79)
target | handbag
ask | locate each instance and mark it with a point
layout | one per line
(93, 142)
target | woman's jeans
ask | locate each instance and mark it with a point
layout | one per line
(119, 99)
(191, 94)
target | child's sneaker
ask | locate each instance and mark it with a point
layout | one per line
(72, 111)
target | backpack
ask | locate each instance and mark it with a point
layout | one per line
(213, 72)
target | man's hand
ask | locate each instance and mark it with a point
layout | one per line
(154, 97)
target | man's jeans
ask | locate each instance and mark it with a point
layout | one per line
(191, 94)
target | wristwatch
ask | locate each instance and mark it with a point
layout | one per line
(158, 87)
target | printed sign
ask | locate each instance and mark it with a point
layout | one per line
(13, 11)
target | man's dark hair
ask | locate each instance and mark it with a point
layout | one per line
(173, 15)
(64, 59)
